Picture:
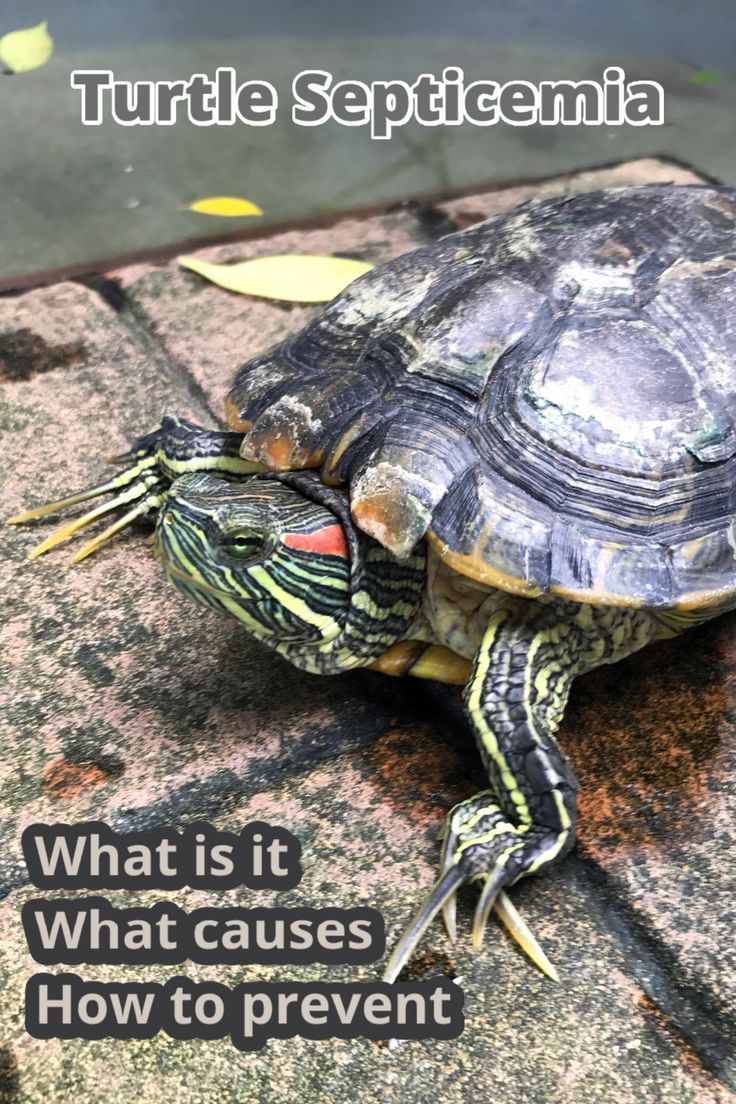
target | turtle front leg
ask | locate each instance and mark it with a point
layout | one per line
(515, 699)
(151, 465)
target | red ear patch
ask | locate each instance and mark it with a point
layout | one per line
(330, 540)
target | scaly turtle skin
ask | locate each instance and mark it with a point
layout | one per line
(503, 459)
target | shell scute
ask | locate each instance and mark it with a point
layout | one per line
(549, 397)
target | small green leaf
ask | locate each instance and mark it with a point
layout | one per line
(23, 50)
(704, 76)
(225, 207)
(293, 278)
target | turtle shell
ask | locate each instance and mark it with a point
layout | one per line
(549, 397)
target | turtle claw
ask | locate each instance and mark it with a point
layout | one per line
(453, 874)
(62, 503)
(519, 930)
(444, 889)
(449, 908)
(138, 484)
(149, 503)
(145, 489)
(152, 463)
(483, 910)
(449, 916)
(444, 896)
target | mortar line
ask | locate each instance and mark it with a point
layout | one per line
(695, 1018)
(137, 322)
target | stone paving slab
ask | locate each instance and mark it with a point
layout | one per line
(595, 1040)
(121, 702)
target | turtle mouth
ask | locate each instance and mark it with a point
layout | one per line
(180, 567)
(177, 576)
(207, 595)
(184, 546)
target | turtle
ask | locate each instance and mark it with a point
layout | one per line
(500, 460)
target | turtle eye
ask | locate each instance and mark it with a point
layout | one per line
(244, 545)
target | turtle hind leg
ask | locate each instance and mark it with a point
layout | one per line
(150, 466)
(515, 699)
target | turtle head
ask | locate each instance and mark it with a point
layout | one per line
(260, 550)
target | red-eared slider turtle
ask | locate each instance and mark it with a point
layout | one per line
(503, 459)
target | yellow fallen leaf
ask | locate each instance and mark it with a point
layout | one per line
(291, 277)
(26, 49)
(225, 206)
